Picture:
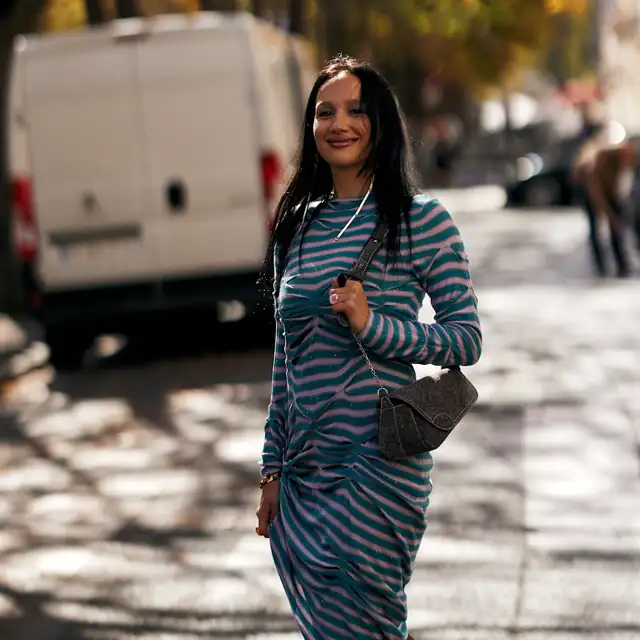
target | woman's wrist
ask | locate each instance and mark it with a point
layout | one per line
(361, 324)
(268, 479)
(364, 328)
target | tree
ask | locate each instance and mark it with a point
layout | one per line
(298, 17)
(127, 9)
(473, 43)
(94, 12)
(219, 5)
(63, 15)
(15, 17)
(258, 8)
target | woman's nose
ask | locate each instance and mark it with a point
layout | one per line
(341, 121)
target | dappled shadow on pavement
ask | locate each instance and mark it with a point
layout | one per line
(127, 499)
(127, 492)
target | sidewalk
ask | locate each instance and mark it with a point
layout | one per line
(128, 495)
(21, 347)
(478, 199)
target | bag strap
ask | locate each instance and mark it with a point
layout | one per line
(369, 252)
(359, 270)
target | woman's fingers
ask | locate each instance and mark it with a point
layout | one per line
(341, 296)
(351, 301)
(347, 307)
(264, 517)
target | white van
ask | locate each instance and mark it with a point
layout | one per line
(147, 158)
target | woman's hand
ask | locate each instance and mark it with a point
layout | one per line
(352, 301)
(268, 507)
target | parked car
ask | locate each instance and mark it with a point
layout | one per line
(149, 157)
(543, 179)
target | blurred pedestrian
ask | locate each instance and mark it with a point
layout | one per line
(345, 523)
(604, 176)
(634, 204)
(446, 152)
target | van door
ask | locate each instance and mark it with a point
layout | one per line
(95, 226)
(281, 107)
(201, 149)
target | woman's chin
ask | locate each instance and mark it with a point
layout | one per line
(344, 161)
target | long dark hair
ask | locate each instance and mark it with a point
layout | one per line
(388, 161)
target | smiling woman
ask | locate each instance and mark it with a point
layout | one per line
(345, 523)
(341, 128)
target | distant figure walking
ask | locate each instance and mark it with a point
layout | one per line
(604, 176)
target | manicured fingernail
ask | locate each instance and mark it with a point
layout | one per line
(333, 298)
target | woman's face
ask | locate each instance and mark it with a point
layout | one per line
(341, 129)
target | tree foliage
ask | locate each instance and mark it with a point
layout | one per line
(467, 42)
(464, 40)
(473, 43)
(64, 15)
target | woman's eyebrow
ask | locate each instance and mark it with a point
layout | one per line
(350, 101)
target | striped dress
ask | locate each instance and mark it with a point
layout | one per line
(350, 522)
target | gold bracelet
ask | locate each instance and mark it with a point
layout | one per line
(267, 479)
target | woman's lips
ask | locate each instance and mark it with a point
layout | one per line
(340, 144)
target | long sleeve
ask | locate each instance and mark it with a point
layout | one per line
(274, 431)
(440, 264)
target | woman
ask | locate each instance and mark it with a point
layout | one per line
(344, 523)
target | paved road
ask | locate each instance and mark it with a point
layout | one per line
(127, 492)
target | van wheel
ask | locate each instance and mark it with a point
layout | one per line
(67, 346)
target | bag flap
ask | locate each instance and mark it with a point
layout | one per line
(441, 398)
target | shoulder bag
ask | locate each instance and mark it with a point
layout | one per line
(416, 418)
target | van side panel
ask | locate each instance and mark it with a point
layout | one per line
(281, 113)
(153, 149)
(17, 130)
(202, 154)
(90, 192)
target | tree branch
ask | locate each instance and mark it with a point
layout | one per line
(25, 15)
(94, 11)
(127, 9)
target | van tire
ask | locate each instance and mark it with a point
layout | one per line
(67, 346)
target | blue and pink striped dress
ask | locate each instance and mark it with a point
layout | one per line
(350, 522)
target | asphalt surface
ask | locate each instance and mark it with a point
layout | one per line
(128, 491)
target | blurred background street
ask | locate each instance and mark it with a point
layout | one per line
(128, 491)
(143, 148)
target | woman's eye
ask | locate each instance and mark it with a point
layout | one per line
(324, 114)
(358, 111)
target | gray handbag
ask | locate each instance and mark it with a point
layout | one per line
(417, 418)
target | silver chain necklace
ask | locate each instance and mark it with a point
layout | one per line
(353, 217)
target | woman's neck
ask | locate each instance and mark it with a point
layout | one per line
(350, 184)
